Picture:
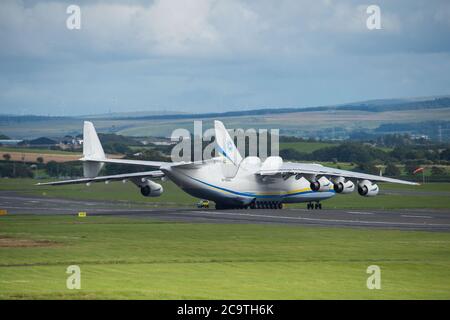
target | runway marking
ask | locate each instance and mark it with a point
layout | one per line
(112, 210)
(258, 216)
(325, 220)
(357, 212)
(410, 216)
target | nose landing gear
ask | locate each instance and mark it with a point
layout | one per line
(312, 206)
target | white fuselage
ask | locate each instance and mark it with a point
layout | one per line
(207, 181)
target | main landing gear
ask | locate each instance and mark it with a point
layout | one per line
(266, 205)
(312, 206)
(253, 205)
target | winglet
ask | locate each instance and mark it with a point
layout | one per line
(225, 145)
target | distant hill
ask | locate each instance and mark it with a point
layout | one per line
(41, 141)
(115, 138)
(369, 106)
(10, 118)
(380, 105)
(414, 115)
(115, 115)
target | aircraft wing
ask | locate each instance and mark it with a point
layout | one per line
(136, 175)
(153, 164)
(317, 169)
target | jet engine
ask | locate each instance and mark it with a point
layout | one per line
(367, 188)
(151, 189)
(342, 186)
(323, 184)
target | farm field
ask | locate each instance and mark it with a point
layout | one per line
(31, 154)
(294, 124)
(26, 156)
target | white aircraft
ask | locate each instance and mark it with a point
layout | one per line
(231, 181)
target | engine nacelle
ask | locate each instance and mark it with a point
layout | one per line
(367, 188)
(151, 189)
(323, 184)
(342, 186)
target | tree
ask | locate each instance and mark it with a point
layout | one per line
(52, 168)
(367, 168)
(7, 156)
(292, 154)
(116, 147)
(15, 170)
(40, 160)
(445, 155)
(349, 152)
(392, 170)
(437, 171)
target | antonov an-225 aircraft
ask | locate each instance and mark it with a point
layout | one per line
(231, 181)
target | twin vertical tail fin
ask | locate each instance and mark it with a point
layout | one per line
(227, 149)
(225, 145)
(92, 148)
(93, 153)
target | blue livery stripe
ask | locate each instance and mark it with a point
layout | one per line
(251, 194)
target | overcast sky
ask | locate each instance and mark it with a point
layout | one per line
(217, 55)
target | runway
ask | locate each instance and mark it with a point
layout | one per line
(408, 219)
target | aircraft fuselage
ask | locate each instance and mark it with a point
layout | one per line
(208, 182)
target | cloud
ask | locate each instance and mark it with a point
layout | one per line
(166, 27)
(202, 54)
(182, 28)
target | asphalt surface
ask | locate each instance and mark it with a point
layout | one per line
(415, 219)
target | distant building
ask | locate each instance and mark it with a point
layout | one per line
(69, 142)
(420, 137)
(163, 143)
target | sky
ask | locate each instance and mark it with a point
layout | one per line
(217, 55)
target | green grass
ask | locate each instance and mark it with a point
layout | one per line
(114, 191)
(395, 196)
(338, 165)
(387, 201)
(429, 195)
(305, 146)
(4, 150)
(147, 259)
(427, 187)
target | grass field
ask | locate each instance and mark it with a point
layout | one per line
(430, 195)
(142, 258)
(392, 196)
(4, 150)
(115, 191)
(304, 146)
